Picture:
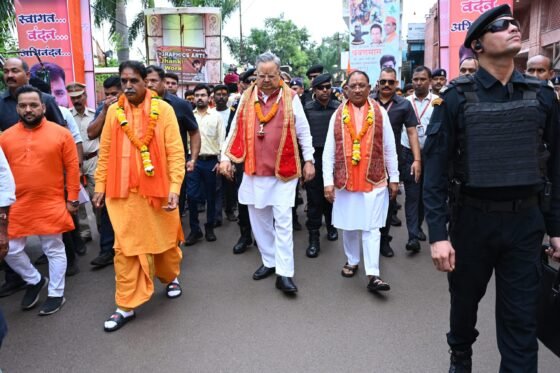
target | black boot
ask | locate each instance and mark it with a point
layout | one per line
(314, 244)
(209, 232)
(461, 361)
(244, 241)
(385, 248)
(332, 233)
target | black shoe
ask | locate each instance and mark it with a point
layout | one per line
(209, 232)
(41, 260)
(12, 287)
(86, 239)
(332, 233)
(461, 361)
(193, 238)
(81, 248)
(31, 296)
(385, 248)
(244, 241)
(421, 235)
(72, 269)
(51, 305)
(103, 260)
(314, 244)
(263, 272)
(231, 216)
(395, 221)
(217, 223)
(286, 284)
(413, 245)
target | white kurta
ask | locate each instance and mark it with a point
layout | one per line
(359, 210)
(262, 191)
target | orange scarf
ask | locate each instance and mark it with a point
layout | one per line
(125, 170)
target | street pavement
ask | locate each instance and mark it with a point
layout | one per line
(226, 322)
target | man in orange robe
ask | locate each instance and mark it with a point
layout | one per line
(139, 174)
(42, 155)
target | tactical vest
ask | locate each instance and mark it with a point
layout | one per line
(500, 143)
(319, 121)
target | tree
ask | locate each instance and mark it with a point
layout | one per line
(7, 24)
(328, 52)
(283, 38)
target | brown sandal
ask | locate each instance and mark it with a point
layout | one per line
(348, 270)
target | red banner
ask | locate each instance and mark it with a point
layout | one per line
(462, 14)
(47, 29)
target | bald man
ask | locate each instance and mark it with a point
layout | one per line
(540, 67)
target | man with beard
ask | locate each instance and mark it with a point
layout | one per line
(171, 83)
(318, 113)
(270, 116)
(401, 114)
(187, 123)
(359, 162)
(44, 162)
(492, 146)
(139, 173)
(225, 188)
(439, 80)
(201, 183)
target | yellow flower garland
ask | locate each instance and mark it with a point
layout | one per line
(356, 139)
(141, 144)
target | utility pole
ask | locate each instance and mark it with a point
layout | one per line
(240, 36)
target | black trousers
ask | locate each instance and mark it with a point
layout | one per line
(243, 210)
(317, 204)
(508, 244)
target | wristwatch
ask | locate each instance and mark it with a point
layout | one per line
(75, 203)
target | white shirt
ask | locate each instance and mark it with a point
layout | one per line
(7, 184)
(225, 117)
(83, 122)
(423, 110)
(212, 131)
(71, 123)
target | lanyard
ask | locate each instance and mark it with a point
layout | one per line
(419, 117)
(388, 108)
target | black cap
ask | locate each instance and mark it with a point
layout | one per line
(476, 30)
(556, 80)
(314, 70)
(244, 77)
(439, 72)
(296, 81)
(323, 78)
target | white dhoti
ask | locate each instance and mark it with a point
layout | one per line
(270, 203)
(53, 247)
(360, 215)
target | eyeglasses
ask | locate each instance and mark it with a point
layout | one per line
(323, 87)
(386, 82)
(502, 24)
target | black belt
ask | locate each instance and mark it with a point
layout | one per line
(90, 155)
(499, 206)
(204, 157)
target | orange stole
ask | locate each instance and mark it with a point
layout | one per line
(241, 147)
(370, 172)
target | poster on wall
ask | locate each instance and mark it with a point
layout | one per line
(375, 34)
(187, 42)
(462, 14)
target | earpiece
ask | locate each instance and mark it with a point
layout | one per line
(478, 46)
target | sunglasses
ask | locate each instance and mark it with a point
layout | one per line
(386, 81)
(323, 87)
(502, 24)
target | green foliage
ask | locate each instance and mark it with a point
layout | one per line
(291, 44)
(7, 25)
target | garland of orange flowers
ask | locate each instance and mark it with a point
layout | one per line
(264, 119)
(141, 144)
(356, 145)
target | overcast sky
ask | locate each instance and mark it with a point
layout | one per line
(321, 17)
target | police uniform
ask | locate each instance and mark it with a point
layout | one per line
(307, 96)
(494, 143)
(318, 117)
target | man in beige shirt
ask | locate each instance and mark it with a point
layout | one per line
(201, 182)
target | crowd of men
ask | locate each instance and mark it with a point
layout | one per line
(145, 156)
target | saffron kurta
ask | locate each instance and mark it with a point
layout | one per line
(41, 159)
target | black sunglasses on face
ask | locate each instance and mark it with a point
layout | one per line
(323, 87)
(386, 81)
(502, 24)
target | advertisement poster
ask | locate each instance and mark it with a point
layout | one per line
(375, 35)
(462, 14)
(187, 42)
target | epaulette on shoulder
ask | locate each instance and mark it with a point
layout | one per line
(462, 79)
(534, 82)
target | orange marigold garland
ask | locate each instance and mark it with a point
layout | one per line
(356, 139)
(264, 119)
(141, 144)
